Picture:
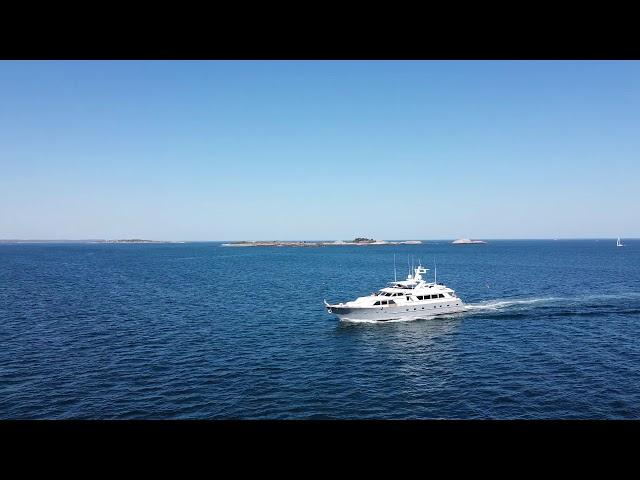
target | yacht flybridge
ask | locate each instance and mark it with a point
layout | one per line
(412, 298)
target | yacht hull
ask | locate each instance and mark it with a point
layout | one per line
(382, 314)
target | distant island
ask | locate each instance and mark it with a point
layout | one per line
(466, 241)
(357, 241)
(135, 240)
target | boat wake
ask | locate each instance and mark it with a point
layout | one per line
(574, 305)
(503, 304)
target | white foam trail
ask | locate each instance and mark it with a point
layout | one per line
(501, 304)
(498, 304)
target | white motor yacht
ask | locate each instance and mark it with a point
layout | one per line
(412, 298)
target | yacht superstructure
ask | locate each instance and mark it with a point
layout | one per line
(412, 298)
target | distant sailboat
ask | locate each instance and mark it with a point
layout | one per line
(619, 244)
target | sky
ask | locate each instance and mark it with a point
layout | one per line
(319, 150)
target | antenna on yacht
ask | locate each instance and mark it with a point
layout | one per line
(395, 278)
(435, 272)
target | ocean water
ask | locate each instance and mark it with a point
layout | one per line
(197, 330)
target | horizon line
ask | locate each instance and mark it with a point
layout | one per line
(82, 240)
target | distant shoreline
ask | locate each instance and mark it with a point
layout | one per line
(357, 242)
(324, 242)
(136, 240)
(128, 241)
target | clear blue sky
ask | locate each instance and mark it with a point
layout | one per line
(319, 150)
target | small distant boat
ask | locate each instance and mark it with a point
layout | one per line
(619, 244)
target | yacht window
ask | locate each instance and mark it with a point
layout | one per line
(441, 296)
(377, 303)
(419, 297)
(391, 302)
(383, 302)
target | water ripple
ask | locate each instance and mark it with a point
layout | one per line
(200, 331)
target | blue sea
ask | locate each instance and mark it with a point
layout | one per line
(203, 331)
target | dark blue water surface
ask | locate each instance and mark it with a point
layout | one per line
(199, 330)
